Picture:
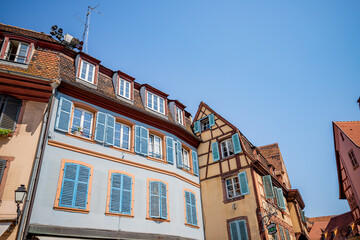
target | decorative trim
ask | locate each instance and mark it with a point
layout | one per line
(119, 160)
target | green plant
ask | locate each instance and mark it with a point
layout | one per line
(5, 132)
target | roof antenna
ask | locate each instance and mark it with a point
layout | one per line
(87, 25)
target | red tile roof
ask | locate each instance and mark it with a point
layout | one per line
(339, 221)
(318, 226)
(351, 129)
(30, 33)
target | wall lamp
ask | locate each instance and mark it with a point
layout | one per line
(20, 194)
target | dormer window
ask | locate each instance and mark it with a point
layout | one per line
(179, 116)
(124, 88)
(155, 103)
(17, 51)
(87, 71)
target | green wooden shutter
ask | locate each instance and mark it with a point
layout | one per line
(244, 186)
(242, 229)
(211, 120)
(197, 126)
(302, 213)
(68, 185)
(126, 194)
(178, 154)
(163, 201)
(154, 209)
(115, 194)
(287, 234)
(82, 187)
(144, 135)
(238, 230)
(170, 150)
(195, 163)
(2, 169)
(63, 115)
(281, 202)
(215, 151)
(100, 127)
(137, 139)
(188, 207)
(268, 187)
(282, 236)
(276, 196)
(110, 130)
(234, 231)
(236, 142)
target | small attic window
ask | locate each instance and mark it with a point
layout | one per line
(17, 49)
(124, 88)
(155, 102)
(87, 71)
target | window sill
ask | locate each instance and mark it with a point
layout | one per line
(14, 64)
(193, 226)
(230, 200)
(79, 137)
(157, 219)
(86, 83)
(67, 209)
(188, 171)
(157, 113)
(122, 150)
(119, 215)
(127, 100)
(156, 159)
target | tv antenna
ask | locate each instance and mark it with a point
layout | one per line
(87, 25)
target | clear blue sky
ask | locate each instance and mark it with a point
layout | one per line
(280, 71)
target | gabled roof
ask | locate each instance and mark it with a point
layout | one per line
(351, 129)
(318, 226)
(26, 32)
(339, 221)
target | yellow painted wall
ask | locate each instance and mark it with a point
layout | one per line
(23, 148)
(216, 212)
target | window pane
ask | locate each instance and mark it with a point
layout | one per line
(162, 105)
(125, 137)
(150, 100)
(83, 70)
(155, 103)
(117, 135)
(127, 90)
(122, 87)
(90, 73)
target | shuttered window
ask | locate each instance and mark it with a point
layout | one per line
(158, 200)
(75, 185)
(122, 136)
(170, 150)
(63, 115)
(2, 169)
(190, 205)
(141, 140)
(82, 122)
(9, 112)
(178, 153)
(197, 126)
(237, 186)
(282, 235)
(121, 194)
(195, 163)
(238, 230)
(280, 198)
(268, 187)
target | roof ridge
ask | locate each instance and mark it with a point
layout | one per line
(25, 29)
(269, 145)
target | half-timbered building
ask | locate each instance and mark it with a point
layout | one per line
(240, 191)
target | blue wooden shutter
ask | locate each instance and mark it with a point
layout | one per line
(211, 120)
(195, 163)
(234, 231)
(154, 209)
(242, 229)
(178, 154)
(63, 115)
(215, 151)
(268, 187)
(68, 185)
(302, 213)
(282, 235)
(137, 139)
(281, 199)
(276, 196)
(287, 234)
(2, 168)
(82, 187)
(170, 150)
(193, 209)
(126, 194)
(110, 130)
(144, 135)
(188, 207)
(244, 187)
(163, 201)
(197, 126)
(236, 142)
(100, 127)
(115, 194)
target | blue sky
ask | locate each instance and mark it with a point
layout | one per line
(281, 71)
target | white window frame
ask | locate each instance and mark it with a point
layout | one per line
(185, 154)
(82, 120)
(233, 185)
(152, 145)
(16, 59)
(122, 135)
(87, 71)
(204, 124)
(123, 88)
(179, 116)
(229, 145)
(151, 99)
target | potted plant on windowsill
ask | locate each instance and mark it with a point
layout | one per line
(78, 132)
(4, 133)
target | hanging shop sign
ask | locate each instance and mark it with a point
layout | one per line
(271, 228)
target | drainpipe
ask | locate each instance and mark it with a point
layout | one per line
(24, 223)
